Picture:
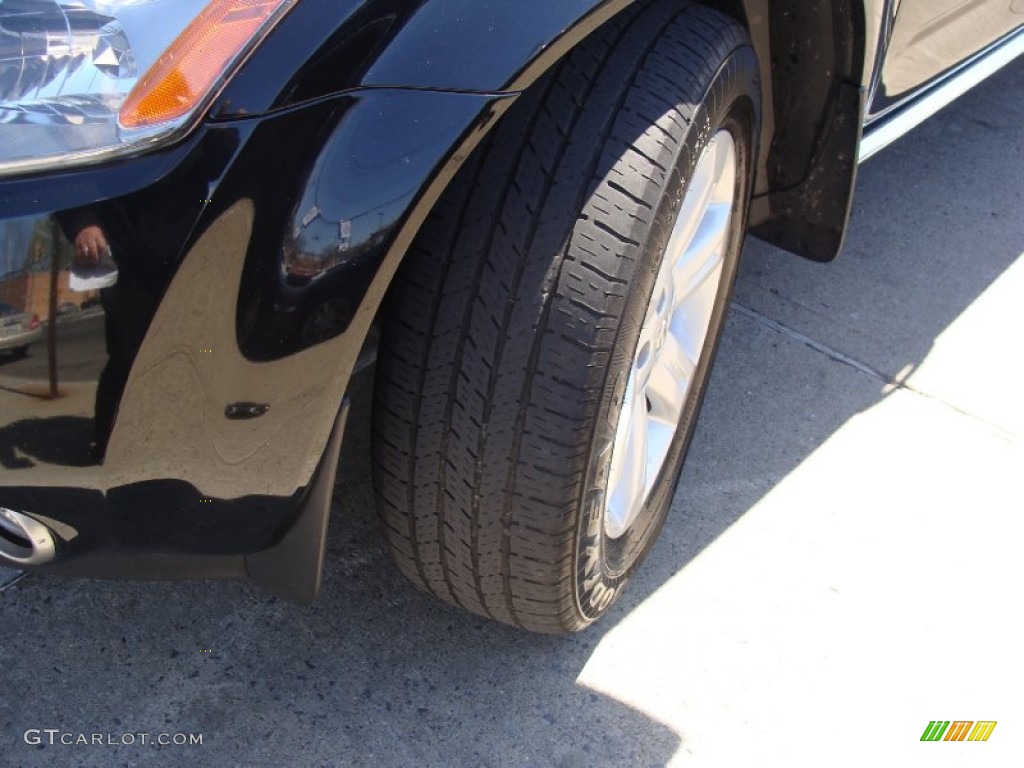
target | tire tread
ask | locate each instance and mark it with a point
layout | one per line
(504, 314)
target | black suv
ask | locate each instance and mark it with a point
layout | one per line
(531, 212)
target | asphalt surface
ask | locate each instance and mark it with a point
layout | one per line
(841, 566)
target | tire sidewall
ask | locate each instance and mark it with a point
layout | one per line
(603, 564)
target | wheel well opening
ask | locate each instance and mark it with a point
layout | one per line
(811, 59)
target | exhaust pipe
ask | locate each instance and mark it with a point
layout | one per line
(24, 540)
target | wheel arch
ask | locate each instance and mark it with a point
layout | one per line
(817, 63)
(814, 64)
(810, 116)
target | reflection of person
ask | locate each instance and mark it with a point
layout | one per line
(129, 247)
(129, 304)
(90, 245)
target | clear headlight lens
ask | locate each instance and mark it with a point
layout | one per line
(83, 79)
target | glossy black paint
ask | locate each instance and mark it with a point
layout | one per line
(331, 225)
(324, 47)
(166, 436)
(812, 54)
(254, 253)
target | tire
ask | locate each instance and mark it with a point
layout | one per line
(520, 317)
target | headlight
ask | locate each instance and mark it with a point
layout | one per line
(81, 80)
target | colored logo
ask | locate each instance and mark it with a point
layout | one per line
(959, 730)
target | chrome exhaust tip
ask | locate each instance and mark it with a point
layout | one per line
(24, 540)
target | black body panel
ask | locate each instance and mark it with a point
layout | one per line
(180, 416)
(184, 409)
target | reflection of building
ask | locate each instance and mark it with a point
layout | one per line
(30, 291)
(28, 248)
(14, 289)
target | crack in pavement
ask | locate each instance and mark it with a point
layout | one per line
(891, 383)
(15, 579)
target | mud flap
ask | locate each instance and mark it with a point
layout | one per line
(291, 569)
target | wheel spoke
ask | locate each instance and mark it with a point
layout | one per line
(691, 318)
(628, 475)
(671, 339)
(699, 195)
(669, 381)
(725, 175)
(704, 253)
(637, 449)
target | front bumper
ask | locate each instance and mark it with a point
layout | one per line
(179, 428)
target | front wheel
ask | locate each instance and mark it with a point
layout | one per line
(548, 340)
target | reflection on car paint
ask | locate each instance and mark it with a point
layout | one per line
(172, 406)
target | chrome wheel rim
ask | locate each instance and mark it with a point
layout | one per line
(672, 335)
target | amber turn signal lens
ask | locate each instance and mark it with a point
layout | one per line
(190, 67)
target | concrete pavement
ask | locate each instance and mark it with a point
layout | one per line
(841, 566)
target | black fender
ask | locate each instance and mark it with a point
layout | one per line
(215, 453)
(325, 47)
(818, 64)
(279, 224)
